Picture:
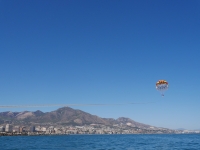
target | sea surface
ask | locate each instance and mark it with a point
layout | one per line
(102, 142)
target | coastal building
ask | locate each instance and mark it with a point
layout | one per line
(38, 128)
(2, 129)
(8, 128)
(16, 129)
(50, 130)
(32, 129)
(99, 131)
(43, 129)
(58, 131)
(22, 129)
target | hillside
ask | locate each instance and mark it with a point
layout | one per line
(64, 116)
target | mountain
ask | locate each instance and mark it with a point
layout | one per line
(64, 116)
(132, 123)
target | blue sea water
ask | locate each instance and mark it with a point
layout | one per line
(102, 142)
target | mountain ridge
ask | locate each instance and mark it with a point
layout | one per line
(66, 116)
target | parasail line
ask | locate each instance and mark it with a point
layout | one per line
(53, 105)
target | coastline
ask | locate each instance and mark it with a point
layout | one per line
(55, 134)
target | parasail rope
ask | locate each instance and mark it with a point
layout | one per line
(66, 105)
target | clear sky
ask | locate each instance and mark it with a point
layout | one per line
(103, 51)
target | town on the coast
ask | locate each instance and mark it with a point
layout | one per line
(70, 121)
(9, 130)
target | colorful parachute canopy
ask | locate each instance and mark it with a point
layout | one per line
(162, 85)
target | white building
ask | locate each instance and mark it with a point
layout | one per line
(43, 129)
(16, 129)
(8, 128)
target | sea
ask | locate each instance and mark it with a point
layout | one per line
(102, 142)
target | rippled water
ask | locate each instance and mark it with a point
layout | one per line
(102, 142)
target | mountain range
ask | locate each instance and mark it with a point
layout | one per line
(64, 116)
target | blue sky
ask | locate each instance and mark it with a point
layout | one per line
(62, 52)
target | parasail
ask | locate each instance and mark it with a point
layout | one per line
(162, 86)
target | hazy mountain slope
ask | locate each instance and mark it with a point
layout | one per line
(67, 116)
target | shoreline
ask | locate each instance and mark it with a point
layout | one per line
(44, 134)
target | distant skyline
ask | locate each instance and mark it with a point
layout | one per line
(81, 52)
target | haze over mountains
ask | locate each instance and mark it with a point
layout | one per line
(64, 116)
